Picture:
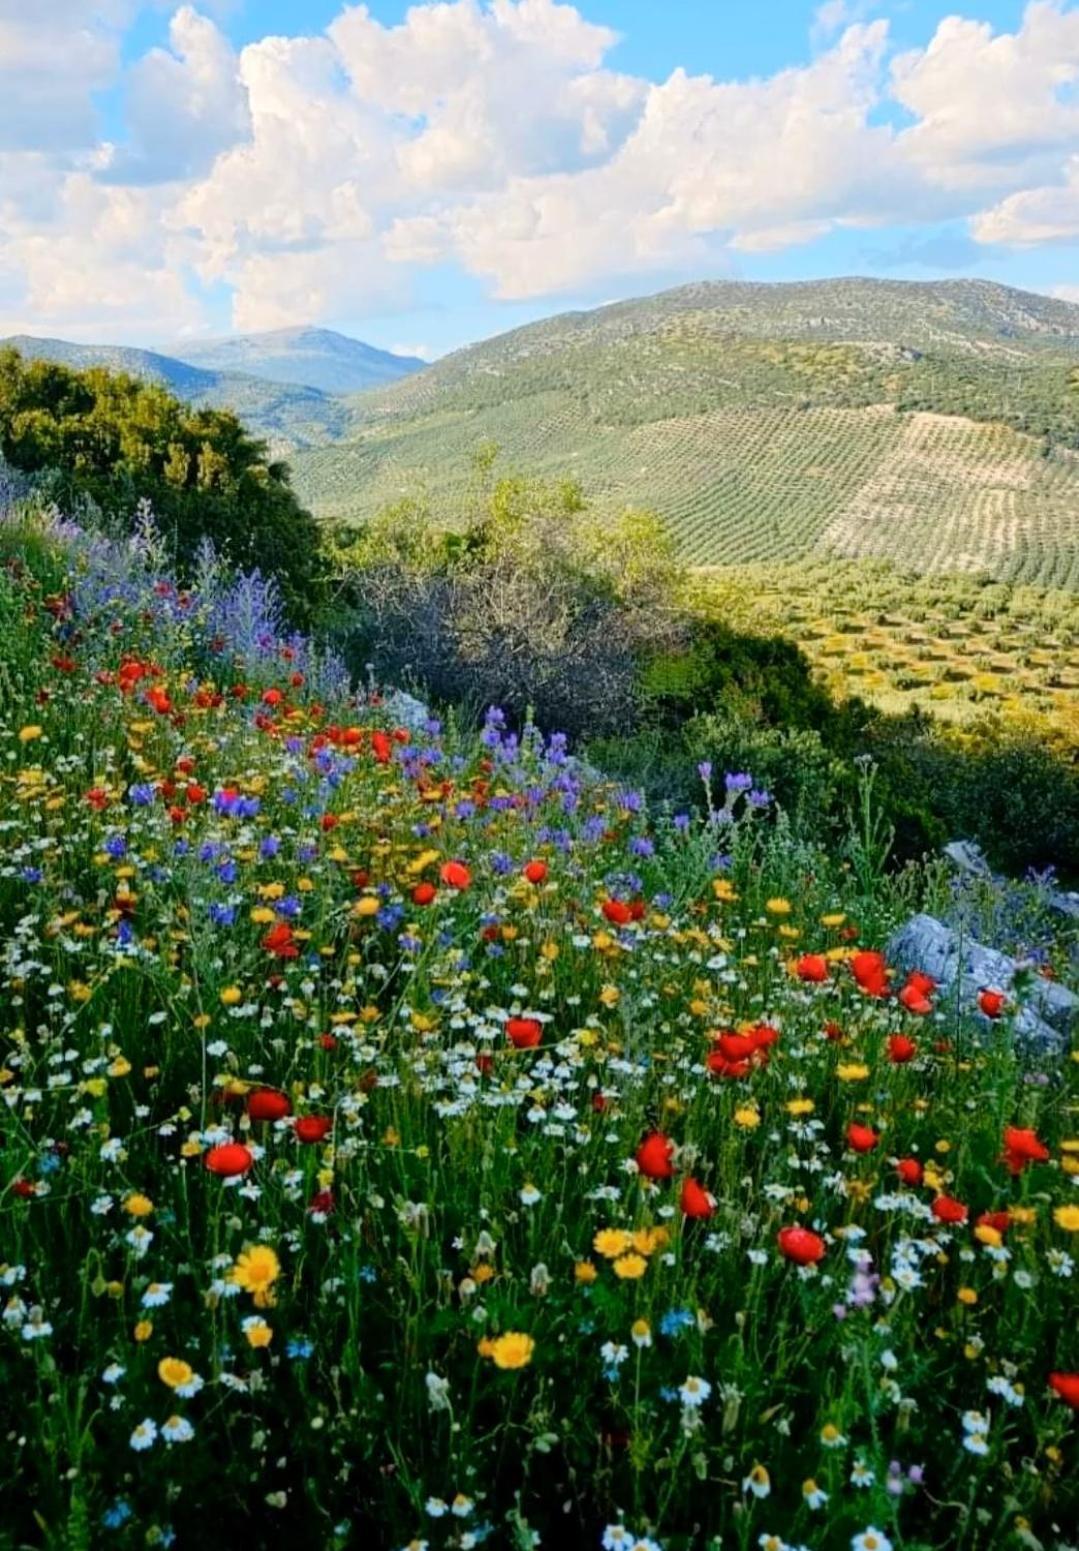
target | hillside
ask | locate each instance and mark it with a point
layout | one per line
(928, 422)
(306, 357)
(288, 416)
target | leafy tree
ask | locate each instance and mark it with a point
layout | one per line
(111, 439)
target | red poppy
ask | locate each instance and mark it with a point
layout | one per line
(862, 1138)
(812, 968)
(901, 1049)
(948, 1210)
(272, 697)
(536, 871)
(381, 747)
(992, 1003)
(228, 1160)
(24, 1188)
(455, 875)
(280, 942)
(524, 1033)
(654, 1156)
(801, 1245)
(909, 1171)
(1067, 1387)
(484, 1063)
(736, 1047)
(1000, 1222)
(98, 798)
(268, 1104)
(327, 1041)
(312, 1128)
(321, 1203)
(695, 1201)
(423, 893)
(833, 1031)
(617, 912)
(914, 998)
(870, 971)
(1022, 1146)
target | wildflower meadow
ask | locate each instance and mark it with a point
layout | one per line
(411, 1140)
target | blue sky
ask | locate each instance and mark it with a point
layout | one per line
(424, 175)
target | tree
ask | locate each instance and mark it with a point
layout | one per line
(110, 438)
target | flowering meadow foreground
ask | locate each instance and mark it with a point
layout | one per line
(406, 1142)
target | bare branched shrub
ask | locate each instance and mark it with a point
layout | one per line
(534, 603)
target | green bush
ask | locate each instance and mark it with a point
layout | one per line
(108, 440)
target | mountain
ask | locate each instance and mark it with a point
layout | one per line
(307, 357)
(287, 416)
(932, 423)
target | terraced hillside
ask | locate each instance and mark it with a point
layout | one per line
(955, 646)
(931, 423)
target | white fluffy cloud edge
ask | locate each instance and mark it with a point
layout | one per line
(313, 177)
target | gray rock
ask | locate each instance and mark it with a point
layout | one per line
(966, 856)
(406, 710)
(962, 967)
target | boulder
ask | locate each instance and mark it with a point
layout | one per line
(962, 967)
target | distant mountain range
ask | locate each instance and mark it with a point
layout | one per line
(306, 357)
(286, 385)
(934, 424)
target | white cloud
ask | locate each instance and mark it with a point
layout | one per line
(1035, 216)
(993, 111)
(313, 176)
(183, 106)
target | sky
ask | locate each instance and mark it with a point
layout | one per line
(423, 175)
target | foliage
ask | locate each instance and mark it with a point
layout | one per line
(429, 995)
(114, 441)
(530, 603)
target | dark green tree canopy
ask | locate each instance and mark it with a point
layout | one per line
(115, 439)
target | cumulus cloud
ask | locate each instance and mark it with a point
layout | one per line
(1035, 216)
(313, 176)
(185, 104)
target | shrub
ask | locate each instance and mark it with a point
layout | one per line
(107, 440)
(533, 604)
